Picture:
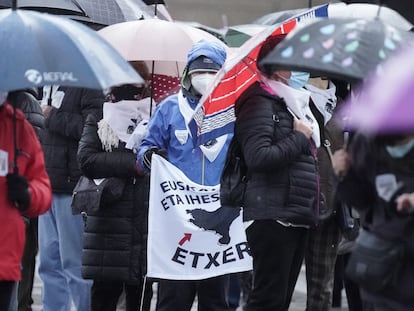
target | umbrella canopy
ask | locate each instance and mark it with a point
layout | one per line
(97, 13)
(367, 10)
(385, 103)
(58, 7)
(404, 7)
(162, 44)
(297, 14)
(218, 33)
(166, 43)
(238, 34)
(214, 115)
(345, 49)
(277, 17)
(56, 50)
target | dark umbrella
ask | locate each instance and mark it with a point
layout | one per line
(345, 49)
(97, 13)
(108, 12)
(58, 7)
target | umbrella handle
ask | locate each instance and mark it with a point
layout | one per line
(49, 100)
(16, 150)
(152, 86)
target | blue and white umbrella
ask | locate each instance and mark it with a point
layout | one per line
(41, 49)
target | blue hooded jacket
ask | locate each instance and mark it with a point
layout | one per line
(168, 128)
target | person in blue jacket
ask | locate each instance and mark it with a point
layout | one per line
(169, 135)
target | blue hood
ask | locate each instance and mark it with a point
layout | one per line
(213, 50)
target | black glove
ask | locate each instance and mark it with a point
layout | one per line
(148, 155)
(18, 191)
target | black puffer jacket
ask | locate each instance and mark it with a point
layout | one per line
(282, 171)
(63, 129)
(114, 240)
(26, 101)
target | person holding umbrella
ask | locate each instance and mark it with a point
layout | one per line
(377, 178)
(25, 190)
(281, 199)
(168, 135)
(27, 101)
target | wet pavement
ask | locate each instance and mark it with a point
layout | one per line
(298, 300)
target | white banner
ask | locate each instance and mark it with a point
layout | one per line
(190, 236)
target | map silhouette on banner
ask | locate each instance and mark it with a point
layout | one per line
(218, 221)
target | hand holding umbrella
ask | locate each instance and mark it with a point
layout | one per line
(18, 191)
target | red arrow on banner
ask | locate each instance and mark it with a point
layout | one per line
(187, 237)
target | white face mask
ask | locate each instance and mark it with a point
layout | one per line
(297, 101)
(324, 100)
(200, 81)
(3, 97)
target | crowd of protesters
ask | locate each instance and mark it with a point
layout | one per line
(298, 174)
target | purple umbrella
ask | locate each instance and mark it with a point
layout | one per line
(385, 103)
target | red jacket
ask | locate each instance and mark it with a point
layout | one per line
(31, 165)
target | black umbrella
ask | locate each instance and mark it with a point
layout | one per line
(58, 7)
(404, 7)
(345, 49)
(97, 13)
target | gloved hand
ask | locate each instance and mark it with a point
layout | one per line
(18, 191)
(148, 155)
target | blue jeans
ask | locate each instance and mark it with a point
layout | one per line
(60, 251)
(13, 298)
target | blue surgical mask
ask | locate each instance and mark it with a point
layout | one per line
(298, 79)
(401, 150)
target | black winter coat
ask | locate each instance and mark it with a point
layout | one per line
(63, 129)
(115, 236)
(282, 182)
(358, 188)
(28, 103)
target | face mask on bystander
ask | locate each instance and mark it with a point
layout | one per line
(200, 81)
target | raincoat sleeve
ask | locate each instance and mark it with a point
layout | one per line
(158, 132)
(35, 172)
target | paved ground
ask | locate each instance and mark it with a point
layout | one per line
(298, 301)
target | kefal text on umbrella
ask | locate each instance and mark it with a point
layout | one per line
(52, 77)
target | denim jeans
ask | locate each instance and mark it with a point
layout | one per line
(60, 252)
(13, 298)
